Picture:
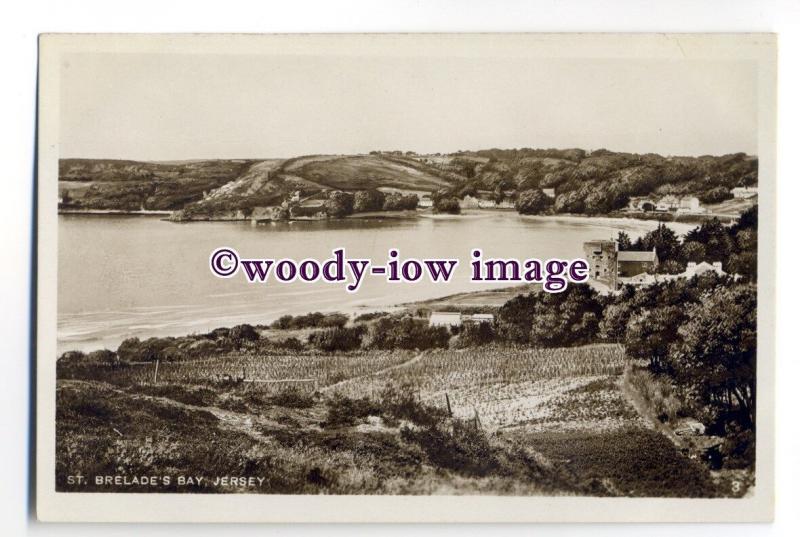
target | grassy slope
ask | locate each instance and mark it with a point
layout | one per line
(230, 184)
(130, 185)
(564, 428)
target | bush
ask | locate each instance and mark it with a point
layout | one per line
(465, 450)
(475, 335)
(337, 339)
(716, 195)
(343, 411)
(368, 200)
(400, 202)
(391, 333)
(310, 320)
(532, 201)
(446, 205)
(658, 393)
(339, 204)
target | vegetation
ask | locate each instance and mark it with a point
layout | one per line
(448, 205)
(599, 182)
(532, 201)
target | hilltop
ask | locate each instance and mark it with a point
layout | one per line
(597, 182)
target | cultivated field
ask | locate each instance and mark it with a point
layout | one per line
(520, 421)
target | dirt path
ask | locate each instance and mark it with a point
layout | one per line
(407, 363)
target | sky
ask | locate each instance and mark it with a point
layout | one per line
(192, 106)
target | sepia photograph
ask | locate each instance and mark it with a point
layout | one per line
(492, 267)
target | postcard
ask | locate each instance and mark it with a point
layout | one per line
(406, 278)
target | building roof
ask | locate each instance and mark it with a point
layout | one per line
(445, 317)
(628, 255)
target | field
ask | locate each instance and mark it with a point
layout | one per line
(494, 420)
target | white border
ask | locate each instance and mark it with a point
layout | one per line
(244, 508)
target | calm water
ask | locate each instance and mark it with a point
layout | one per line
(139, 276)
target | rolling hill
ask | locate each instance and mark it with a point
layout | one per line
(597, 182)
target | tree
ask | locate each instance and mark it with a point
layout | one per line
(400, 202)
(406, 333)
(339, 204)
(532, 201)
(716, 195)
(366, 201)
(475, 334)
(242, 333)
(717, 357)
(693, 251)
(650, 333)
(447, 205)
(664, 240)
(624, 241)
(337, 339)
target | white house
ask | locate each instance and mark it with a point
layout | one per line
(445, 318)
(549, 192)
(668, 203)
(455, 318)
(469, 202)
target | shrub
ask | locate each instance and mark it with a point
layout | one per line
(337, 339)
(465, 450)
(368, 201)
(532, 201)
(406, 333)
(475, 335)
(446, 205)
(400, 202)
(343, 411)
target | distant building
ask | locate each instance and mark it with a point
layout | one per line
(743, 192)
(610, 266)
(445, 318)
(689, 204)
(642, 204)
(469, 202)
(477, 318)
(487, 204)
(695, 269)
(602, 258)
(452, 319)
(630, 263)
(425, 202)
(549, 192)
(668, 203)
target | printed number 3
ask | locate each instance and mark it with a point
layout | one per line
(736, 486)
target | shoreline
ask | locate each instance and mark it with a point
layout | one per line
(610, 218)
(114, 212)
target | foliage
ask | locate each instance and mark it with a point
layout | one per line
(475, 335)
(716, 354)
(405, 333)
(310, 320)
(447, 205)
(365, 201)
(337, 339)
(397, 201)
(339, 204)
(551, 319)
(532, 201)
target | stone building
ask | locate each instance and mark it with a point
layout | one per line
(602, 258)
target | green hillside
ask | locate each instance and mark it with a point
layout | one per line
(597, 182)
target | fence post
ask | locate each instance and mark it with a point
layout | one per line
(155, 374)
(449, 410)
